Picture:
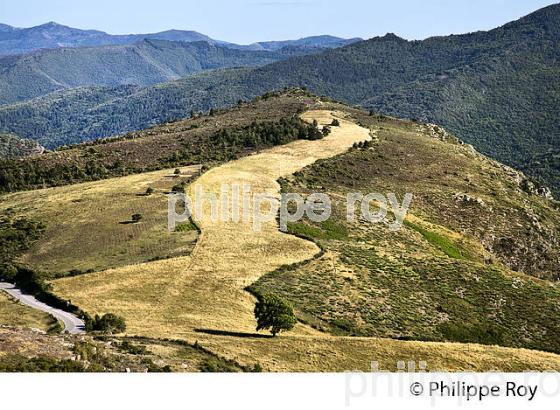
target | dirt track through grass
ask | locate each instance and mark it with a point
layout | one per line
(207, 289)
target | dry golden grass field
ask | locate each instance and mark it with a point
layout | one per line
(88, 225)
(206, 291)
(200, 295)
(202, 298)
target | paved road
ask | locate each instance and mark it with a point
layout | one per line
(72, 324)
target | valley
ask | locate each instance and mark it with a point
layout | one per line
(495, 89)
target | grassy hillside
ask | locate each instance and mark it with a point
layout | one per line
(104, 210)
(13, 313)
(495, 89)
(438, 279)
(448, 274)
(475, 262)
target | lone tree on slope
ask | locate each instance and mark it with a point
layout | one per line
(274, 313)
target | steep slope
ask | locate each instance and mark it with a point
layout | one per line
(458, 270)
(495, 89)
(143, 63)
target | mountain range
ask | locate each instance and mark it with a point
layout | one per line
(145, 62)
(15, 40)
(497, 89)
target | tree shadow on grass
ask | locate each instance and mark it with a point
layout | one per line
(233, 334)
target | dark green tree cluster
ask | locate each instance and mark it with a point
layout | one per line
(108, 323)
(19, 175)
(268, 133)
(274, 313)
(362, 144)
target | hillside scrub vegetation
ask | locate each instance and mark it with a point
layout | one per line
(12, 147)
(463, 266)
(229, 134)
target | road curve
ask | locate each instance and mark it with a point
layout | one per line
(72, 324)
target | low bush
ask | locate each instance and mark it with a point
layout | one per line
(108, 323)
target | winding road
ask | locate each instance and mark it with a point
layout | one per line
(72, 324)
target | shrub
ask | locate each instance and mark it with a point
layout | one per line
(108, 323)
(179, 188)
(335, 123)
(17, 363)
(177, 171)
(8, 271)
(55, 328)
(216, 365)
(149, 191)
(274, 313)
(128, 347)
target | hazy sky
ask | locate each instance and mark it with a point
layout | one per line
(246, 21)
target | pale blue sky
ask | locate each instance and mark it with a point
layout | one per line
(246, 21)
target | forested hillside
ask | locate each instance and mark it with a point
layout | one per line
(147, 62)
(11, 147)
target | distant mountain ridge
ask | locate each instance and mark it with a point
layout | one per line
(324, 41)
(51, 35)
